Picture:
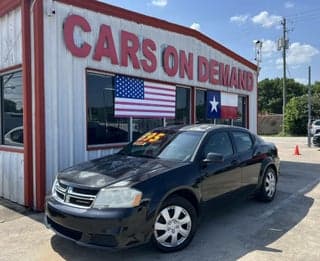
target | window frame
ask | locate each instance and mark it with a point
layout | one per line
(95, 147)
(213, 133)
(235, 140)
(3, 72)
(101, 146)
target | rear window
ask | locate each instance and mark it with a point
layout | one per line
(243, 141)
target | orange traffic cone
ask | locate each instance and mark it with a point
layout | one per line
(296, 151)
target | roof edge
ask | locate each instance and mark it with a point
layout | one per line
(8, 5)
(139, 18)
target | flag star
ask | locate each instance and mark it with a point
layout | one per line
(214, 104)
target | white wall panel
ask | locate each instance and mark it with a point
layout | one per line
(11, 176)
(10, 39)
(65, 86)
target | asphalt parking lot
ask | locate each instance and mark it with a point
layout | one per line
(242, 228)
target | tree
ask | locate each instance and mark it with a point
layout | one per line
(270, 94)
(296, 117)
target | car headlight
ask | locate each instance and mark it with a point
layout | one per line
(118, 197)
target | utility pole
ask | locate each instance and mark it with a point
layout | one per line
(283, 44)
(284, 71)
(309, 106)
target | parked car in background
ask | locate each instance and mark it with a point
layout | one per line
(316, 139)
(14, 137)
(154, 188)
(315, 127)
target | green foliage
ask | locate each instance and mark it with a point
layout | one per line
(296, 116)
(270, 94)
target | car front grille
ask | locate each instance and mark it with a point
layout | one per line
(75, 196)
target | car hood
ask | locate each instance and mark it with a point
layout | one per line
(112, 169)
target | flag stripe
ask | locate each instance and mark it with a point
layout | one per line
(149, 110)
(160, 85)
(159, 93)
(146, 103)
(229, 99)
(143, 108)
(159, 97)
(144, 114)
(160, 88)
(228, 112)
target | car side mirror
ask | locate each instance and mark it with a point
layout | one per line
(213, 157)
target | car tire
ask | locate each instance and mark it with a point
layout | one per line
(269, 185)
(175, 225)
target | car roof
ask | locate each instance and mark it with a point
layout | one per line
(206, 127)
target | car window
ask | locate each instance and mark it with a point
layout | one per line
(317, 123)
(219, 143)
(243, 141)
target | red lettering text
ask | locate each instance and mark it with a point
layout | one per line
(129, 48)
(68, 29)
(170, 61)
(234, 78)
(213, 72)
(224, 71)
(148, 46)
(203, 69)
(105, 45)
(250, 81)
(186, 65)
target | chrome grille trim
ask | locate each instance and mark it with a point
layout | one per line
(66, 195)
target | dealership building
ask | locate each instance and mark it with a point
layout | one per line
(80, 79)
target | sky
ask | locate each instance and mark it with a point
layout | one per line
(238, 24)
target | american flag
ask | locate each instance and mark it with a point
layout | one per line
(141, 99)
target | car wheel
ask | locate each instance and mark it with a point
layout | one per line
(269, 185)
(175, 225)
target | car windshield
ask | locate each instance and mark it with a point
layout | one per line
(164, 144)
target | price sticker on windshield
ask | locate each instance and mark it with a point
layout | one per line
(150, 137)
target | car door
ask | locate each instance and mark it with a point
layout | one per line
(250, 166)
(219, 177)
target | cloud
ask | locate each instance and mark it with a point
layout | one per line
(301, 80)
(240, 19)
(195, 26)
(266, 20)
(288, 5)
(161, 3)
(298, 54)
(269, 47)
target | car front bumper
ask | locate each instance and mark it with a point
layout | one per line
(107, 228)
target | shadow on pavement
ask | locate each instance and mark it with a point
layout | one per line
(229, 228)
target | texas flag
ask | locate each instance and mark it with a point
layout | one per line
(221, 105)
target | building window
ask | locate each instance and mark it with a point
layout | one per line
(242, 112)
(102, 126)
(201, 106)
(182, 107)
(11, 109)
(201, 111)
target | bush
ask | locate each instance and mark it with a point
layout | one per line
(296, 116)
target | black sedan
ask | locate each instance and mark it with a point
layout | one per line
(154, 188)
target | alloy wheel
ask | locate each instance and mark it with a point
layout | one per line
(270, 183)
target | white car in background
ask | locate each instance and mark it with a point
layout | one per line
(315, 127)
(14, 137)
